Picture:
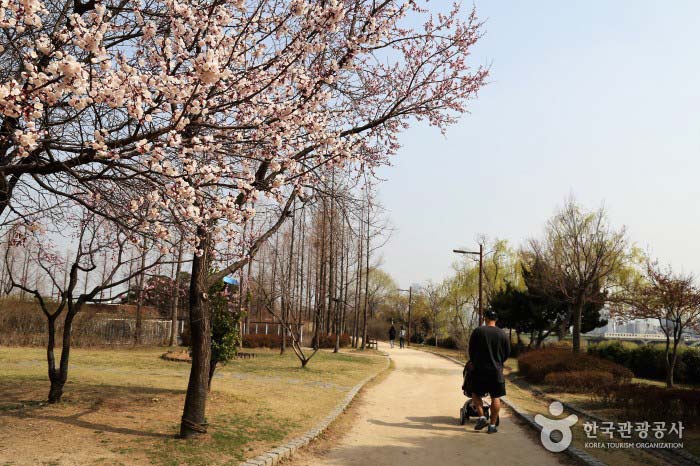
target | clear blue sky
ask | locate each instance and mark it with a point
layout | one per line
(599, 99)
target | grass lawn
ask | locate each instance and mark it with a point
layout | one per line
(526, 400)
(123, 406)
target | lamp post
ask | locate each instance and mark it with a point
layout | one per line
(410, 295)
(480, 253)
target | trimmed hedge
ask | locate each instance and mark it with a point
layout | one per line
(260, 340)
(643, 402)
(536, 365)
(648, 361)
(596, 382)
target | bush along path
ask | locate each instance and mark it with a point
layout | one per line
(600, 392)
(672, 456)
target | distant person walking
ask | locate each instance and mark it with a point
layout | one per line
(489, 348)
(402, 337)
(392, 335)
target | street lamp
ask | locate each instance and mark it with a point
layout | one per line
(410, 295)
(481, 273)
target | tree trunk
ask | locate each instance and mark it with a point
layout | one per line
(58, 377)
(212, 369)
(139, 302)
(56, 389)
(176, 298)
(578, 313)
(670, 361)
(367, 257)
(193, 416)
(562, 329)
(358, 286)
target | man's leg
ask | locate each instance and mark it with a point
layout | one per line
(478, 404)
(495, 408)
(497, 391)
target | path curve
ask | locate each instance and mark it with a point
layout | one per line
(410, 418)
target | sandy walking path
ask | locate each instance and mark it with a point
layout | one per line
(410, 418)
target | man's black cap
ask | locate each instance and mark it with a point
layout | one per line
(490, 314)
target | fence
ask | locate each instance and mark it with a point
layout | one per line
(272, 328)
(23, 324)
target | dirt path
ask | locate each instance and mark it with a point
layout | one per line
(410, 418)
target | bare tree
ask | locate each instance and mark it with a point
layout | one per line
(94, 237)
(581, 253)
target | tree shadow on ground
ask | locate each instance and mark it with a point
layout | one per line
(107, 404)
(444, 449)
(436, 423)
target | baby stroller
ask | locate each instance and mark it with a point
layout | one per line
(468, 410)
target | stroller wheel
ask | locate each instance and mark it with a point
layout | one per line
(463, 416)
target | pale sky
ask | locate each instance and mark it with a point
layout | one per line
(599, 99)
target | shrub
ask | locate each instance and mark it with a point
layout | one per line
(691, 364)
(614, 351)
(562, 344)
(649, 361)
(261, 340)
(328, 341)
(641, 402)
(535, 365)
(597, 382)
(449, 342)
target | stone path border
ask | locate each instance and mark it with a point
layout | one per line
(572, 451)
(274, 456)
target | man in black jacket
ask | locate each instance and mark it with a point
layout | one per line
(392, 335)
(488, 350)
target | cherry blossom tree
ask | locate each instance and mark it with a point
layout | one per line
(199, 113)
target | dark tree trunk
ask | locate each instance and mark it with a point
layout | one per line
(670, 360)
(59, 376)
(212, 369)
(56, 390)
(193, 416)
(578, 313)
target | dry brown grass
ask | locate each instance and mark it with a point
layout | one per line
(124, 406)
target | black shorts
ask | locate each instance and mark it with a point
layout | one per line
(494, 388)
